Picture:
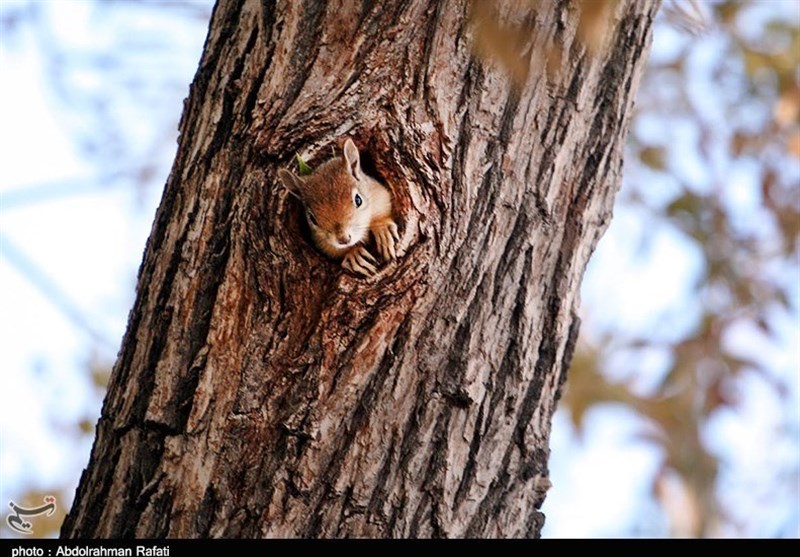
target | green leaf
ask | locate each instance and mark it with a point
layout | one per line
(304, 169)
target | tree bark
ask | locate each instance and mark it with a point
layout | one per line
(262, 391)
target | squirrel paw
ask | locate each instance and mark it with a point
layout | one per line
(385, 237)
(360, 261)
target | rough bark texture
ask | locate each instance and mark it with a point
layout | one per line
(261, 391)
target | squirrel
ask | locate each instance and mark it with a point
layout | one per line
(342, 206)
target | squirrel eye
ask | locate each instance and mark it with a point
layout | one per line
(311, 218)
(357, 200)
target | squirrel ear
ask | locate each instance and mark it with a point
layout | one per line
(351, 158)
(293, 183)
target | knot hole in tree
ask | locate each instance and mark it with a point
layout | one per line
(295, 234)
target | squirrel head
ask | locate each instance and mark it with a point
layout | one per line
(336, 199)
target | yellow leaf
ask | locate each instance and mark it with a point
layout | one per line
(653, 157)
(595, 23)
(787, 108)
(793, 144)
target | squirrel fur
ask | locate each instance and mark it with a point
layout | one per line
(343, 206)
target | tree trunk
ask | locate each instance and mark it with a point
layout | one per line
(262, 391)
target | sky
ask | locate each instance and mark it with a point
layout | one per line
(76, 205)
(73, 223)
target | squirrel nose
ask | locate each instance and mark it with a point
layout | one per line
(344, 238)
